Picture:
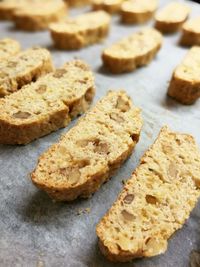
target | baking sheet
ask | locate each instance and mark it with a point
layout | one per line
(34, 231)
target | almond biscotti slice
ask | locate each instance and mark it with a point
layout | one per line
(89, 153)
(156, 200)
(134, 51)
(81, 31)
(110, 6)
(23, 68)
(185, 81)
(7, 8)
(171, 17)
(8, 47)
(191, 32)
(138, 11)
(35, 16)
(46, 105)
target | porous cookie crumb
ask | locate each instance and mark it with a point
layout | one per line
(8, 47)
(138, 11)
(23, 68)
(34, 16)
(134, 51)
(155, 202)
(185, 81)
(81, 31)
(110, 6)
(191, 32)
(170, 18)
(46, 105)
(89, 153)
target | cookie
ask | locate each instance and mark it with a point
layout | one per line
(23, 68)
(191, 32)
(155, 202)
(7, 8)
(170, 18)
(8, 47)
(36, 16)
(47, 104)
(138, 11)
(81, 31)
(110, 6)
(185, 81)
(131, 52)
(78, 3)
(90, 152)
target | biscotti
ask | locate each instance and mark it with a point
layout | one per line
(46, 105)
(81, 31)
(8, 47)
(38, 15)
(7, 8)
(138, 11)
(134, 51)
(191, 32)
(23, 68)
(155, 202)
(78, 3)
(185, 81)
(89, 153)
(111, 6)
(171, 17)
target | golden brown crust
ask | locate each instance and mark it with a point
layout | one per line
(8, 47)
(191, 32)
(138, 11)
(155, 201)
(38, 16)
(23, 68)
(111, 6)
(185, 83)
(132, 52)
(90, 152)
(46, 105)
(77, 3)
(171, 17)
(84, 30)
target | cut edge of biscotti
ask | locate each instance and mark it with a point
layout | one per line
(110, 7)
(191, 32)
(46, 105)
(9, 47)
(122, 56)
(145, 214)
(90, 152)
(184, 86)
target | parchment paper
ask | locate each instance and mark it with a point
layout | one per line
(34, 231)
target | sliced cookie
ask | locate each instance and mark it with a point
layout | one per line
(185, 81)
(81, 31)
(134, 51)
(8, 47)
(170, 18)
(35, 16)
(110, 6)
(191, 32)
(155, 202)
(23, 68)
(7, 8)
(89, 153)
(46, 105)
(138, 11)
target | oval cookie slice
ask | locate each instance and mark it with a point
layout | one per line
(155, 202)
(8, 47)
(46, 105)
(171, 17)
(89, 153)
(81, 31)
(191, 32)
(23, 68)
(185, 81)
(110, 6)
(134, 51)
(35, 16)
(138, 11)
